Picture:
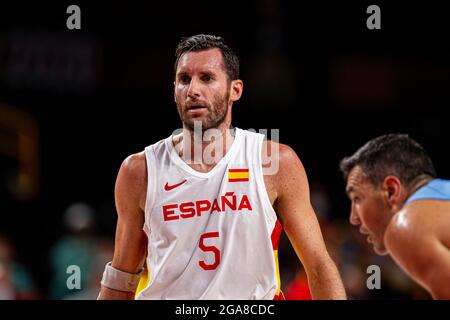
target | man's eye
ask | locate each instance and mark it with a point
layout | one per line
(184, 79)
(206, 78)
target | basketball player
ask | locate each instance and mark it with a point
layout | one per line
(208, 229)
(403, 209)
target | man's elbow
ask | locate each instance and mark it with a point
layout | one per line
(325, 281)
(441, 293)
(439, 288)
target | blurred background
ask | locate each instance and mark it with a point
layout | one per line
(75, 103)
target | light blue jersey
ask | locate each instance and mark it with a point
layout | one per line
(436, 189)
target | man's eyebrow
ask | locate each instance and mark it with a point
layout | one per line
(349, 189)
(207, 72)
(182, 73)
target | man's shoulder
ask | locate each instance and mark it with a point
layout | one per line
(415, 240)
(135, 166)
(431, 218)
(423, 214)
(135, 161)
(283, 153)
(412, 224)
(131, 183)
(402, 238)
(282, 166)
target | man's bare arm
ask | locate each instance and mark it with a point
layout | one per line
(418, 240)
(302, 228)
(130, 243)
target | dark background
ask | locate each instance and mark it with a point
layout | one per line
(311, 69)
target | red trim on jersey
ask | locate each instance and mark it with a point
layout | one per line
(237, 179)
(275, 237)
(279, 296)
(237, 170)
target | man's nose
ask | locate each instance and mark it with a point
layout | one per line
(194, 91)
(354, 219)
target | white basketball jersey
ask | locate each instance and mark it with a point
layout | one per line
(210, 235)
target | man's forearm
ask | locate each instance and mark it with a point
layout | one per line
(325, 283)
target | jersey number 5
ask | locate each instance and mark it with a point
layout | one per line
(212, 249)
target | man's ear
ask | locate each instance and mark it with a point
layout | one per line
(393, 190)
(236, 90)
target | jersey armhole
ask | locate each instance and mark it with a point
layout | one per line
(261, 185)
(150, 160)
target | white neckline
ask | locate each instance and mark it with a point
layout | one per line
(175, 157)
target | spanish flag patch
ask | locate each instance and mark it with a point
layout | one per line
(238, 175)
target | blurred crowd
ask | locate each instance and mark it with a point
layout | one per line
(79, 246)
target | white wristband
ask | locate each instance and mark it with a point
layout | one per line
(120, 280)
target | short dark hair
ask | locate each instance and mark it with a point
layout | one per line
(390, 154)
(201, 42)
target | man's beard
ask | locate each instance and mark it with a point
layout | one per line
(216, 116)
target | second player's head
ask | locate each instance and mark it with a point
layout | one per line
(380, 177)
(206, 81)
